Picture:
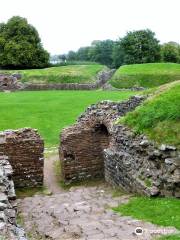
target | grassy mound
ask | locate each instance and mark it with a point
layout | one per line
(145, 75)
(159, 116)
(49, 111)
(62, 74)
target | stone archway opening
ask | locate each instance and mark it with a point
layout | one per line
(82, 152)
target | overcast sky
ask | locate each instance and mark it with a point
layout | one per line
(66, 25)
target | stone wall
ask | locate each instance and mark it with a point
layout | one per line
(10, 82)
(24, 149)
(97, 146)
(140, 165)
(9, 230)
(101, 79)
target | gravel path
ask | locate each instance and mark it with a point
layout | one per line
(82, 213)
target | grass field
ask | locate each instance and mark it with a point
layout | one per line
(49, 111)
(159, 116)
(145, 75)
(160, 211)
(62, 74)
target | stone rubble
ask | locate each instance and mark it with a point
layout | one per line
(9, 230)
(10, 82)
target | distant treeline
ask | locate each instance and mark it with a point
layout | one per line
(135, 47)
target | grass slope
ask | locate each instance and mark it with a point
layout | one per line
(49, 111)
(62, 74)
(159, 116)
(160, 211)
(145, 75)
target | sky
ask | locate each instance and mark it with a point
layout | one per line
(65, 25)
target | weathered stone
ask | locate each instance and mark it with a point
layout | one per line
(154, 191)
(164, 147)
(2, 216)
(2, 206)
(10, 82)
(144, 143)
(24, 148)
(98, 146)
(18, 76)
(3, 198)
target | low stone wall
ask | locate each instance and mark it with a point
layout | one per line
(58, 86)
(9, 230)
(101, 79)
(96, 146)
(24, 149)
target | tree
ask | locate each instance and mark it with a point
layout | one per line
(170, 52)
(72, 56)
(101, 51)
(83, 54)
(20, 45)
(137, 47)
(117, 55)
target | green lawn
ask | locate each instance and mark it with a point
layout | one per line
(159, 116)
(49, 111)
(160, 211)
(145, 75)
(62, 74)
(170, 237)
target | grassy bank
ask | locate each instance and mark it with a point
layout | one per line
(62, 74)
(159, 116)
(145, 75)
(49, 111)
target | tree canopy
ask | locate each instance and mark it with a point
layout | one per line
(170, 52)
(137, 47)
(20, 45)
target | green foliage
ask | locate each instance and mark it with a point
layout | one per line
(101, 52)
(170, 237)
(159, 116)
(170, 52)
(145, 75)
(30, 191)
(137, 47)
(20, 45)
(63, 74)
(49, 111)
(148, 182)
(160, 211)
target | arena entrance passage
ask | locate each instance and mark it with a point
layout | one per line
(81, 152)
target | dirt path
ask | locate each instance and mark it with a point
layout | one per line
(50, 178)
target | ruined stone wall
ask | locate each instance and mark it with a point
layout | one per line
(8, 210)
(82, 145)
(101, 78)
(128, 161)
(139, 165)
(10, 82)
(24, 149)
(82, 151)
